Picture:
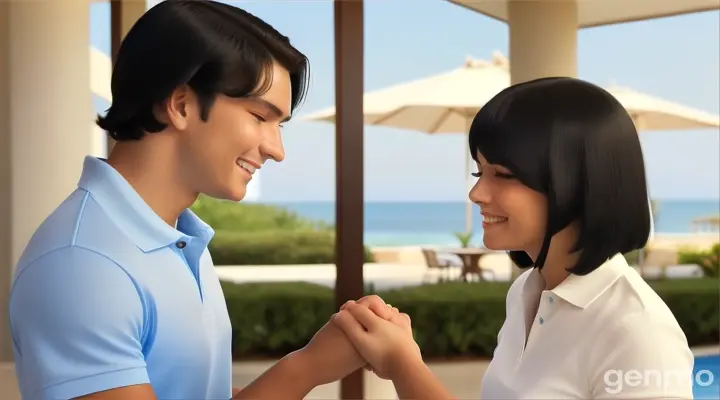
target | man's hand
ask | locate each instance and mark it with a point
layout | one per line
(386, 344)
(330, 355)
(379, 307)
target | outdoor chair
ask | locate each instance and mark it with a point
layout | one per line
(436, 265)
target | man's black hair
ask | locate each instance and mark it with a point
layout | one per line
(575, 143)
(212, 47)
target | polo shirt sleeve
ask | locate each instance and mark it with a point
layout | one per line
(77, 325)
(643, 357)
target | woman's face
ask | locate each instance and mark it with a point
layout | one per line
(514, 216)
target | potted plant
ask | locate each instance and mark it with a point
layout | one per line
(464, 238)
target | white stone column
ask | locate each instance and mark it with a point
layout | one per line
(543, 43)
(543, 39)
(45, 114)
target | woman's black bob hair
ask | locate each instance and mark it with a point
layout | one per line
(575, 143)
(212, 47)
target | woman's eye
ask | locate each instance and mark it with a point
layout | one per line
(258, 117)
(476, 174)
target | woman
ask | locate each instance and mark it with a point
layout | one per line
(561, 185)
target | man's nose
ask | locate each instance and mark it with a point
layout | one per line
(272, 148)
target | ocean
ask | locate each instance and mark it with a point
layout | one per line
(415, 223)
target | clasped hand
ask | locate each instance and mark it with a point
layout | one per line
(365, 333)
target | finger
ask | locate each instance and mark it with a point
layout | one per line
(371, 299)
(401, 319)
(347, 323)
(367, 318)
(377, 305)
(382, 310)
(346, 304)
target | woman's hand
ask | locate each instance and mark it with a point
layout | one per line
(386, 344)
(376, 305)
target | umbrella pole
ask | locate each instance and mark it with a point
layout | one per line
(468, 203)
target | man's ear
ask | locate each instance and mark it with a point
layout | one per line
(179, 107)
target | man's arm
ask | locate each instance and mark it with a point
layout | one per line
(328, 356)
(389, 347)
(77, 323)
(288, 379)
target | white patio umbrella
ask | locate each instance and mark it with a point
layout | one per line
(447, 103)
(656, 114)
(444, 103)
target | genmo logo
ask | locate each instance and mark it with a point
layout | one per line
(617, 380)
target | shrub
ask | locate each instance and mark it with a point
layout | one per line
(450, 319)
(696, 306)
(632, 257)
(453, 319)
(275, 247)
(259, 234)
(273, 319)
(708, 260)
(225, 215)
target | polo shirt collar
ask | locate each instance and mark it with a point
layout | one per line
(581, 290)
(132, 214)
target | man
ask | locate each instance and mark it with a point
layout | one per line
(115, 296)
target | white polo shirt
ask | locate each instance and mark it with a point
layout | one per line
(606, 335)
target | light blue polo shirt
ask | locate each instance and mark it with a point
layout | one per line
(107, 295)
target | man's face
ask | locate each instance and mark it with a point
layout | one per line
(221, 155)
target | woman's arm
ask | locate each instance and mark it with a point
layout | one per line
(388, 346)
(414, 380)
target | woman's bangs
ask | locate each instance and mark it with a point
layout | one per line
(498, 134)
(509, 132)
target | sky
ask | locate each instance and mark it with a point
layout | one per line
(675, 58)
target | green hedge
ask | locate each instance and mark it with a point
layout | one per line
(262, 234)
(708, 260)
(633, 257)
(275, 247)
(225, 215)
(451, 319)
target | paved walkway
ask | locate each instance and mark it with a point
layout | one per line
(461, 378)
(384, 276)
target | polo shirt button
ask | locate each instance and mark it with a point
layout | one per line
(551, 299)
(541, 320)
(180, 245)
